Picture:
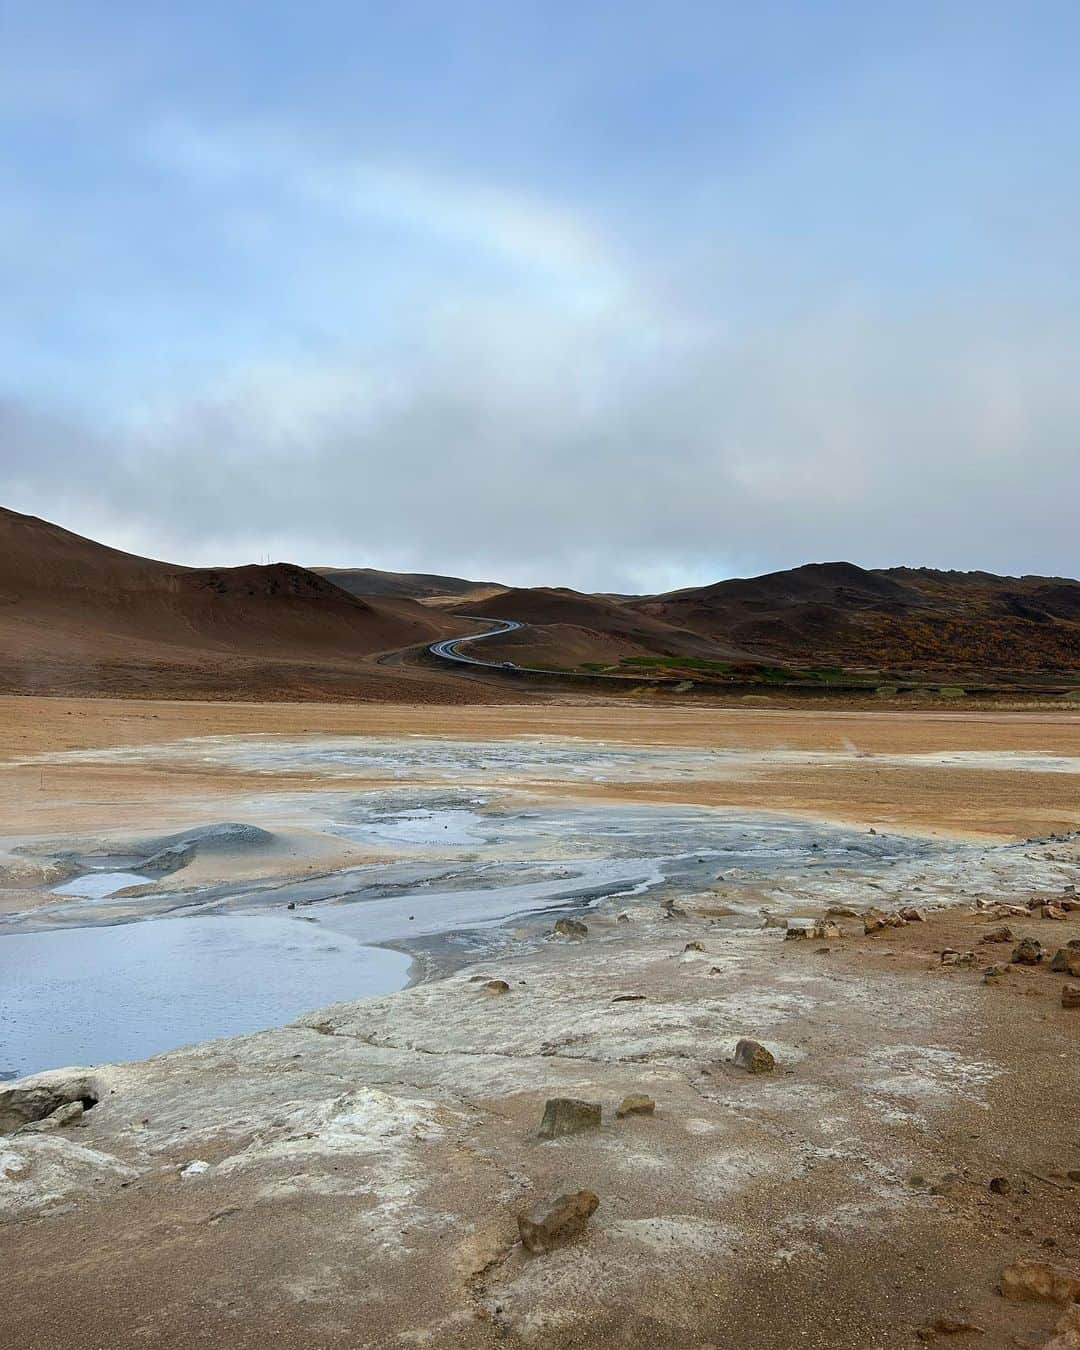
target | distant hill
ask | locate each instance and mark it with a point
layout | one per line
(77, 615)
(570, 628)
(896, 618)
(407, 585)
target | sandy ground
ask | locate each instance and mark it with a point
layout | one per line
(41, 792)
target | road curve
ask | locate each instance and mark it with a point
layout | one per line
(447, 648)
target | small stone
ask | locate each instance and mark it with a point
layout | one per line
(1066, 962)
(693, 947)
(195, 1169)
(994, 974)
(841, 912)
(553, 1223)
(948, 1184)
(1029, 1281)
(571, 928)
(496, 987)
(949, 957)
(753, 1057)
(622, 916)
(1027, 952)
(1000, 1185)
(568, 1115)
(628, 998)
(910, 914)
(635, 1104)
(1002, 934)
(1070, 996)
(1053, 912)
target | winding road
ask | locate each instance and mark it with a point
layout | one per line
(447, 648)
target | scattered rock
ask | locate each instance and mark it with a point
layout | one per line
(1066, 962)
(693, 947)
(553, 1223)
(1002, 934)
(568, 1115)
(841, 912)
(1000, 1185)
(875, 922)
(68, 1114)
(753, 1057)
(635, 1104)
(1070, 996)
(949, 957)
(1027, 952)
(1027, 1281)
(1053, 912)
(622, 917)
(195, 1169)
(628, 998)
(1067, 1331)
(571, 928)
(910, 914)
(496, 987)
(994, 974)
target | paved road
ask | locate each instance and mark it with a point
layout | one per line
(447, 648)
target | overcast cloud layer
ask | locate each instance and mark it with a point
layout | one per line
(622, 296)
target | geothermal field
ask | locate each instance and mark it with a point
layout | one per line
(286, 992)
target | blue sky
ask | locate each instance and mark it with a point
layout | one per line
(615, 296)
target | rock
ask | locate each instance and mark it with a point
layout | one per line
(622, 917)
(949, 957)
(553, 1223)
(628, 998)
(1028, 1281)
(753, 1057)
(910, 914)
(20, 1106)
(1000, 1185)
(636, 1104)
(874, 922)
(197, 1168)
(1070, 996)
(568, 1115)
(947, 1326)
(68, 1114)
(1053, 912)
(1027, 952)
(799, 932)
(994, 974)
(1066, 962)
(841, 912)
(571, 928)
(693, 947)
(825, 932)
(1002, 934)
(496, 987)
(1067, 1331)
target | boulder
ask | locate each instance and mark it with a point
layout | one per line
(20, 1106)
(1031, 1281)
(1053, 912)
(552, 1223)
(1070, 996)
(1066, 962)
(753, 1057)
(1027, 952)
(496, 987)
(571, 928)
(568, 1115)
(635, 1104)
(910, 914)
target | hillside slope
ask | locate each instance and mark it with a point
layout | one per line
(425, 586)
(75, 614)
(890, 618)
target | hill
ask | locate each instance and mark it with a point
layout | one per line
(892, 619)
(424, 586)
(76, 615)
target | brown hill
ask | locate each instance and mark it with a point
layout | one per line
(77, 615)
(568, 628)
(424, 586)
(906, 619)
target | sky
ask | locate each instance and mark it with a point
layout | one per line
(619, 296)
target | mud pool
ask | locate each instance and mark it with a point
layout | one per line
(129, 957)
